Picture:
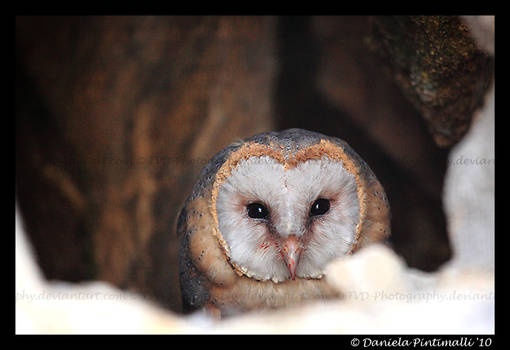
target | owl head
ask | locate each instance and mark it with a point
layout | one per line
(282, 205)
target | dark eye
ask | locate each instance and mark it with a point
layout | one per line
(319, 207)
(257, 211)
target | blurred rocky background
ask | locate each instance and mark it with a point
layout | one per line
(115, 117)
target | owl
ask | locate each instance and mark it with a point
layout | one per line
(267, 215)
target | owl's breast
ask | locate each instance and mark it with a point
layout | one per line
(248, 294)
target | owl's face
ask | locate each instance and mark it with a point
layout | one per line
(284, 223)
(284, 214)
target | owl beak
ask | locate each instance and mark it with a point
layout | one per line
(291, 251)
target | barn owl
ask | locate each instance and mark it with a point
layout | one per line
(267, 215)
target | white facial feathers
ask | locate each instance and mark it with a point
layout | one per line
(288, 195)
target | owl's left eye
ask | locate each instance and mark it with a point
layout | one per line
(319, 207)
(257, 211)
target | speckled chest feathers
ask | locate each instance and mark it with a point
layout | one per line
(268, 214)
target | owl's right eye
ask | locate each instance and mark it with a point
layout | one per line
(257, 211)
